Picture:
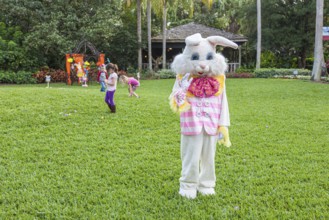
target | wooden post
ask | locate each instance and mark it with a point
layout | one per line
(239, 56)
(68, 70)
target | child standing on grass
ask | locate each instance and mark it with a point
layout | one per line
(102, 76)
(48, 78)
(132, 85)
(111, 86)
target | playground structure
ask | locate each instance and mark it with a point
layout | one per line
(78, 61)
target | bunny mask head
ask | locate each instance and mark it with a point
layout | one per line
(199, 57)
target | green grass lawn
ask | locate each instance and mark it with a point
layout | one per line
(64, 156)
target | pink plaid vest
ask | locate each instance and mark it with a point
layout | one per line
(204, 113)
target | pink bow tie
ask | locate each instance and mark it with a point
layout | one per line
(204, 87)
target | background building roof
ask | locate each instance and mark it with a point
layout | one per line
(179, 33)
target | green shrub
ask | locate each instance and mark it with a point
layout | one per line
(166, 74)
(304, 77)
(20, 77)
(132, 70)
(309, 63)
(269, 73)
(269, 60)
(245, 70)
(6, 77)
(145, 74)
(239, 75)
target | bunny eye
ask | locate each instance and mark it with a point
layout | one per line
(195, 56)
(210, 56)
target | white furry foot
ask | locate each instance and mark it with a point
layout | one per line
(190, 194)
(207, 191)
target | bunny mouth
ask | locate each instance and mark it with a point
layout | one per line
(200, 73)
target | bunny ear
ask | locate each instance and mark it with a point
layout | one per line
(217, 40)
(193, 40)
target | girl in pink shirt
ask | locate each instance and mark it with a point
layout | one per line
(132, 85)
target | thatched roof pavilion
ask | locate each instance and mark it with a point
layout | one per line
(176, 42)
(179, 33)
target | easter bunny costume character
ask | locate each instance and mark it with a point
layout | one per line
(199, 96)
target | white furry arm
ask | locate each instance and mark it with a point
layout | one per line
(224, 123)
(177, 98)
(175, 88)
(225, 114)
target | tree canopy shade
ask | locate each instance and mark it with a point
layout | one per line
(50, 29)
(287, 28)
(36, 33)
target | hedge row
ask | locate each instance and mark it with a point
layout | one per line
(244, 73)
(20, 77)
(270, 73)
(61, 75)
(169, 74)
(240, 75)
(24, 77)
(165, 74)
(56, 75)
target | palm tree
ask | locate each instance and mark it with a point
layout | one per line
(139, 34)
(208, 3)
(318, 49)
(161, 10)
(149, 37)
(139, 30)
(259, 34)
(164, 34)
(163, 4)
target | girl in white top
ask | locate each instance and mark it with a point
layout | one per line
(111, 86)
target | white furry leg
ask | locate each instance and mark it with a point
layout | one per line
(207, 191)
(190, 154)
(188, 193)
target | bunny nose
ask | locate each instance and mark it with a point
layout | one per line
(202, 66)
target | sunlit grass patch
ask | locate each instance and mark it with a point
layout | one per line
(64, 155)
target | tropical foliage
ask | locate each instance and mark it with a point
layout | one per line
(39, 33)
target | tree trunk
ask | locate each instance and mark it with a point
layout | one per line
(318, 49)
(149, 36)
(164, 34)
(259, 34)
(139, 35)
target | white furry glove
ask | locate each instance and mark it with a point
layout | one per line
(185, 82)
(180, 97)
(223, 137)
(178, 101)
